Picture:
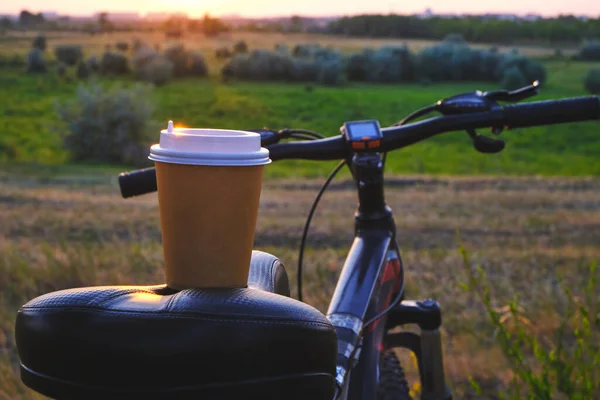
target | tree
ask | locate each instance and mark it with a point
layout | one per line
(296, 24)
(212, 26)
(5, 23)
(28, 19)
(104, 23)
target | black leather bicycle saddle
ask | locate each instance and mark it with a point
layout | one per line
(152, 342)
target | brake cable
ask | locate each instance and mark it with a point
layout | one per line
(303, 134)
(418, 113)
(332, 175)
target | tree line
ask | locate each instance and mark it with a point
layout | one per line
(473, 28)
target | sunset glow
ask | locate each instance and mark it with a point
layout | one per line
(308, 7)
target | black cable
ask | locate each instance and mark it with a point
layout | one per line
(301, 136)
(418, 113)
(306, 132)
(309, 218)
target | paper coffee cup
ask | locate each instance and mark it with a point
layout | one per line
(209, 184)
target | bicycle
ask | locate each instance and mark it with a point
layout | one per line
(352, 346)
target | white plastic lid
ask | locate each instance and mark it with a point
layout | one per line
(216, 147)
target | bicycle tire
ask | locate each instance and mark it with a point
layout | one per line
(392, 380)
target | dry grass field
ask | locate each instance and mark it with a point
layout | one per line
(62, 232)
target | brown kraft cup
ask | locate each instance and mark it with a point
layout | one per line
(208, 213)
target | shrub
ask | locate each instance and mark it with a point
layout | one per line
(454, 38)
(92, 63)
(357, 66)
(305, 50)
(35, 61)
(324, 66)
(304, 71)
(197, 65)
(69, 54)
(40, 42)
(488, 63)
(158, 71)
(513, 78)
(331, 72)
(82, 71)
(390, 64)
(282, 48)
(466, 65)
(61, 69)
(114, 64)
(122, 46)
(592, 81)
(223, 52)
(590, 51)
(177, 55)
(142, 56)
(321, 55)
(451, 62)
(107, 124)
(240, 47)
(435, 63)
(530, 69)
(535, 71)
(185, 63)
(261, 65)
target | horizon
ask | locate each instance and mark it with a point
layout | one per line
(307, 8)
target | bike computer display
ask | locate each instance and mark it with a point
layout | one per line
(362, 135)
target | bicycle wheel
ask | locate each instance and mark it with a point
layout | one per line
(392, 381)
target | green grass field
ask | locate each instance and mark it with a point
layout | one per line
(28, 118)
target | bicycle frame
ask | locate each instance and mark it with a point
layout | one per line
(370, 280)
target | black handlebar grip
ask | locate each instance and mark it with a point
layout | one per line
(552, 112)
(137, 183)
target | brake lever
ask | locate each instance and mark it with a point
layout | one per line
(485, 144)
(515, 96)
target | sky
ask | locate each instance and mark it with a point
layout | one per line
(256, 8)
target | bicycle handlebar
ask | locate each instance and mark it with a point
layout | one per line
(335, 148)
(552, 112)
(137, 183)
